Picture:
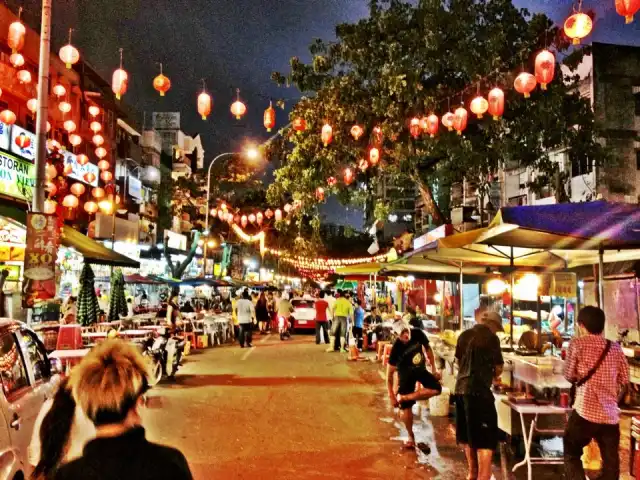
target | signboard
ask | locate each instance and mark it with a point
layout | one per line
(14, 272)
(563, 285)
(176, 240)
(23, 143)
(5, 138)
(135, 187)
(43, 240)
(439, 232)
(11, 254)
(166, 120)
(17, 177)
(78, 171)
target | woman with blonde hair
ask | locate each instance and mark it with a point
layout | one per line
(109, 386)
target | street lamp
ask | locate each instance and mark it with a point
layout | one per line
(252, 153)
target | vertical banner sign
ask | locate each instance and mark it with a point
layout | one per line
(43, 239)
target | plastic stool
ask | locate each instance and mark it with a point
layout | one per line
(192, 339)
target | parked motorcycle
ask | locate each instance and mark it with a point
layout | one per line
(165, 352)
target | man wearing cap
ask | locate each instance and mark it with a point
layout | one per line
(479, 365)
(408, 358)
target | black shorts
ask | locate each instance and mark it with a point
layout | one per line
(477, 421)
(407, 384)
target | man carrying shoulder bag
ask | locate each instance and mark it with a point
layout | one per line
(599, 372)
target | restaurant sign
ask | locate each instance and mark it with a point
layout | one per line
(23, 143)
(564, 285)
(43, 240)
(17, 177)
(78, 171)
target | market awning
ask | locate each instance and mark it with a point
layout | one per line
(140, 279)
(363, 269)
(197, 281)
(94, 252)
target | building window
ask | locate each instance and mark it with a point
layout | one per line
(581, 166)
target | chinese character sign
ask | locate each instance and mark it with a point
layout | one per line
(43, 239)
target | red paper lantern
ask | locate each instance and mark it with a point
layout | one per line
(525, 83)
(377, 136)
(252, 218)
(259, 218)
(68, 169)
(32, 105)
(90, 207)
(106, 176)
(24, 76)
(104, 165)
(229, 217)
(69, 54)
(53, 144)
(94, 111)
(97, 192)
(243, 221)
(331, 181)
(374, 155)
(50, 188)
(16, 36)
(320, 194)
(69, 126)
(50, 171)
(119, 82)
(278, 215)
(204, 105)
(460, 119)
(64, 107)
(326, 134)
(82, 159)
(496, 103)
(627, 8)
(75, 139)
(95, 126)
(16, 59)
(363, 164)
(268, 213)
(7, 117)
(269, 117)
(77, 189)
(101, 152)
(50, 207)
(238, 109)
(545, 68)
(59, 90)
(348, 176)
(479, 106)
(287, 207)
(48, 127)
(356, 132)
(70, 201)
(414, 127)
(299, 124)
(97, 140)
(447, 120)
(161, 83)
(578, 26)
(89, 177)
(221, 214)
(432, 125)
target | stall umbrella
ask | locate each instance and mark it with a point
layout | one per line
(117, 302)
(88, 307)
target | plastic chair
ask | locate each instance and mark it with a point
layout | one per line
(69, 337)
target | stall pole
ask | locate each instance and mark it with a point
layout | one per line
(461, 299)
(511, 319)
(442, 303)
(601, 278)
(424, 288)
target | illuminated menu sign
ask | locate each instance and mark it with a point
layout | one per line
(17, 177)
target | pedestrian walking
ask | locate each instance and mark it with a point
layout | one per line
(246, 314)
(599, 371)
(342, 310)
(262, 313)
(109, 387)
(358, 323)
(322, 309)
(479, 366)
(408, 357)
(60, 432)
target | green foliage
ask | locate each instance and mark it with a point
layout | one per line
(407, 60)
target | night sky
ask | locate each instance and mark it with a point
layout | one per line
(234, 44)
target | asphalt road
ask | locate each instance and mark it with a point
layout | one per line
(288, 410)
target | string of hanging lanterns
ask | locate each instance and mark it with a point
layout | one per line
(232, 216)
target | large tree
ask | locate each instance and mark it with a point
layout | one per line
(408, 59)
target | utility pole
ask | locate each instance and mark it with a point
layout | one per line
(43, 104)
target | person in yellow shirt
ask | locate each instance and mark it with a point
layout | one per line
(342, 311)
(234, 316)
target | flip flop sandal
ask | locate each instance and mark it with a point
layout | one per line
(424, 448)
(408, 446)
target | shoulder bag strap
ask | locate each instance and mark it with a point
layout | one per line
(592, 372)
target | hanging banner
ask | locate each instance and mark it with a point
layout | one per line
(43, 240)
(564, 285)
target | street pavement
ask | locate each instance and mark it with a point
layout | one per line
(288, 410)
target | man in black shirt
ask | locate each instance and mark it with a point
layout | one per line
(479, 364)
(408, 358)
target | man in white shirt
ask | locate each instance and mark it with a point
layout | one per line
(331, 300)
(246, 314)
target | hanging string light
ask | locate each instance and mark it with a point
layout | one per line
(238, 109)
(119, 80)
(69, 54)
(161, 83)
